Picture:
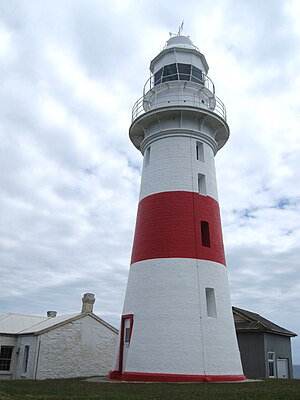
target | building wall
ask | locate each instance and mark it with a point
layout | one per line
(172, 165)
(83, 347)
(281, 346)
(254, 348)
(20, 370)
(172, 331)
(6, 340)
(252, 351)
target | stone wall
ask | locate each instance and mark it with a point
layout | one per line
(81, 348)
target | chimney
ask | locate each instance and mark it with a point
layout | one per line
(51, 314)
(88, 301)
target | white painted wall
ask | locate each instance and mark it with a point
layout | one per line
(83, 347)
(172, 332)
(173, 167)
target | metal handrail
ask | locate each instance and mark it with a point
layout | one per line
(143, 104)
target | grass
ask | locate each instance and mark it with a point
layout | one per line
(78, 389)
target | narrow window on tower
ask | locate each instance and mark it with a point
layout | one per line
(211, 308)
(147, 156)
(205, 234)
(202, 184)
(199, 151)
(127, 335)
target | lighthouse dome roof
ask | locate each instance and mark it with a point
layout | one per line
(180, 41)
(180, 49)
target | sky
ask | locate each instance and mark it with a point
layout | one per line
(71, 70)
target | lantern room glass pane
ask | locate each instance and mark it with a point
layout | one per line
(184, 71)
(170, 73)
(197, 75)
(157, 77)
(178, 71)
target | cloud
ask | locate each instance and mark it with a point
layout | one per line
(70, 74)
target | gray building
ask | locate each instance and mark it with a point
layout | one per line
(264, 346)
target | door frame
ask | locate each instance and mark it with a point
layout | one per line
(287, 367)
(122, 333)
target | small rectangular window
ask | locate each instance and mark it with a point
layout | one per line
(199, 151)
(271, 357)
(5, 357)
(25, 359)
(205, 238)
(147, 156)
(211, 308)
(202, 184)
(127, 335)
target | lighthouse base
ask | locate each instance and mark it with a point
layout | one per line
(154, 377)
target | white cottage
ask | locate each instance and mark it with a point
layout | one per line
(74, 345)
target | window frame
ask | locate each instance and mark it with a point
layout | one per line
(25, 359)
(178, 72)
(211, 306)
(202, 187)
(4, 359)
(147, 156)
(199, 151)
(205, 234)
(271, 361)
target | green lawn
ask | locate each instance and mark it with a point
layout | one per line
(66, 389)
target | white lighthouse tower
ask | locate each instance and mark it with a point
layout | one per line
(177, 323)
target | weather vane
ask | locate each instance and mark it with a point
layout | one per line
(179, 30)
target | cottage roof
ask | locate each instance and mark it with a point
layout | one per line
(247, 321)
(17, 324)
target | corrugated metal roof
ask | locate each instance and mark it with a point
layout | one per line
(50, 322)
(14, 324)
(17, 324)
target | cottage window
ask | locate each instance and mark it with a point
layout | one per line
(25, 359)
(271, 358)
(5, 357)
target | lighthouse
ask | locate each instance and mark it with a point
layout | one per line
(177, 323)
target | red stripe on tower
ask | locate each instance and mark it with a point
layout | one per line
(169, 226)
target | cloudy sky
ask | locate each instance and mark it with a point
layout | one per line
(71, 71)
